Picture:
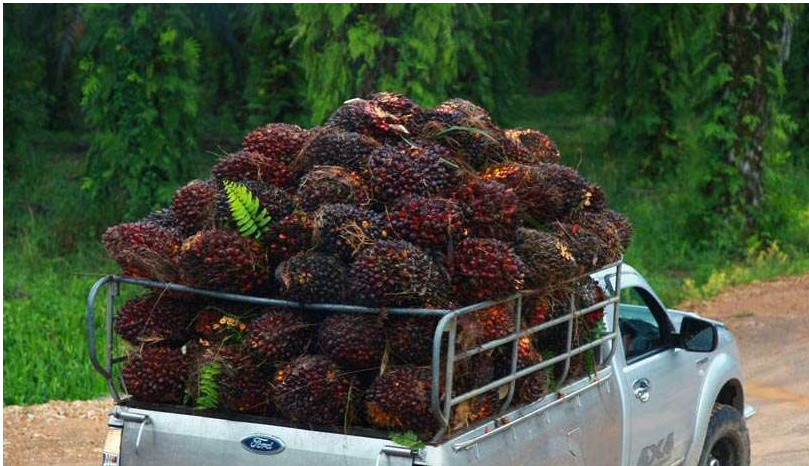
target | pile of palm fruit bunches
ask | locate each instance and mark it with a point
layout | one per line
(385, 205)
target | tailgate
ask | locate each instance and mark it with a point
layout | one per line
(181, 439)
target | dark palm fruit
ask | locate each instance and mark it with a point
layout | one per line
(215, 326)
(345, 229)
(396, 273)
(588, 292)
(312, 277)
(611, 227)
(410, 338)
(288, 237)
(399, 400)
(195, 206)
(335, 147)
(465, 127)
(366, 117)
(331, 185)
(491, 210)
(585, 245)
(539, 147)
(163, 217)
(156, 374)
(276, 141)
(144, 250)
(547, 257)
(421, 168)
(279, 335)
(485, 269)
(486, 324)
(428, 221)
(547, 191)
(272, 198)
(252, 166)
(242, 385)
(153, 318)
(395, 104)
(223, 260)
(315, 391)
(475, 409)
(354, 341)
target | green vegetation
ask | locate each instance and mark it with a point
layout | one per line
(692, 117)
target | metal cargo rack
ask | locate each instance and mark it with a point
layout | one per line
(447, 325)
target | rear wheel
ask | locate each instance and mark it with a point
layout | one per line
(727, 442)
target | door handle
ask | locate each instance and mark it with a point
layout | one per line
(642, 389)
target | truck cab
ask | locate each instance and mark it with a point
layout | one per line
(669, 393)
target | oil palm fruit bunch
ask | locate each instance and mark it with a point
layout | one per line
(276, 141)
(287, 237)
(414, 167)
(399, 400)
(547, 257)
(465, 127)
(313, 390)
(331, 185)
(273, 199)
(156, 374)
(194, 206)
(225, 377)
(532, 146)
(344, 229)
(397, 273)
(486, 325)
(395, 104)
(312, 277)
(410, 338)
(224, 260)
(353, 341)
(253, 166)
(335, 147)
(214, 325)
(430, 222)
(165, 218)
(547, 191)
(484, 268)
(279, 335)
(611, 227)
(154, 318)
(366, 117)
(586, 246)
(491, 209)
(144, 250)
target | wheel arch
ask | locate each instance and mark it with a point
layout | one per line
(732, 394)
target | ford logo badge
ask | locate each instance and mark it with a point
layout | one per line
(263, 444)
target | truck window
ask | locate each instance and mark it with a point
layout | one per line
(642, 331)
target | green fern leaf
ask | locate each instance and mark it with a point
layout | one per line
(208, 386)
(251, 219)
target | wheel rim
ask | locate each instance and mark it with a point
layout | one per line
(724, 453)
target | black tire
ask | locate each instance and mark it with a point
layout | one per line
(727, 441)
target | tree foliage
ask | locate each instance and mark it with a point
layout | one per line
(140, 96)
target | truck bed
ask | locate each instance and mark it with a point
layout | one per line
(548, 431)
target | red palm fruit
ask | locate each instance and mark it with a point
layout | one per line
(354, 341)
(419, 167)
(366, 117)
(154, 318)
(279, 335)
(428, 221)
(144, 250)
(195, 206)
(344, 229)
(535, 146)
(225, 261)
(485, 269)
(315, 391)
(491, 210)
(547, 257)
(399, 400)
(156, 374)
(334, 147)
(331, 185)
(276, 141)
(287, 237)
(312, 277)
(252, 166)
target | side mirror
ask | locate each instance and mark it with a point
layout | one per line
(697, 335)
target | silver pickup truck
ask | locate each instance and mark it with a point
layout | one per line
(667, 391)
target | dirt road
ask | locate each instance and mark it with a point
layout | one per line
(771, 321)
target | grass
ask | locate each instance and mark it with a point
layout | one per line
(52, 254)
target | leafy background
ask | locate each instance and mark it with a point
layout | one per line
(694, 119)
